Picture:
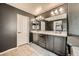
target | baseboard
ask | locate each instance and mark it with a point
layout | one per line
(7, 51)
(23, 44)
(12, 49)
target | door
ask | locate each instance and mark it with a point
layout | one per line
(22, 29)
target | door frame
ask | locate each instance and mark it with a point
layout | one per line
(27, 31)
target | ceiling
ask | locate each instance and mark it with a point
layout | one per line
(35, 8)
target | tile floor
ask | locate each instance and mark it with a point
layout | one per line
(29, 50)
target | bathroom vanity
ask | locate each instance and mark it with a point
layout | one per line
(51, 33)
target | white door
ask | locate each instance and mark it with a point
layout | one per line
(22, 29)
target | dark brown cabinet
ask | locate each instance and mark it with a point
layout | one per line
(59, 45)
(35, 38)
(39, 39)
(50, 43)
(42, 40)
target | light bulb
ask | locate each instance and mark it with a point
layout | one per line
(61, 10)
(52, 13)
(40, 18)
(56, 12)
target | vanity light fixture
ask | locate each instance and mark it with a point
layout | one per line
(61, 10)
(39, 18)
(52, 13)
(56, 12)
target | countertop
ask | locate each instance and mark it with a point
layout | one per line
(63, 34)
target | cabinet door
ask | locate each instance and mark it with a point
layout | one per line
(59, 45)
(42, 40)
(49, 43)
(35, 38)
(39, 39)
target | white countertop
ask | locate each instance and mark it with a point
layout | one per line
(63, 34)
